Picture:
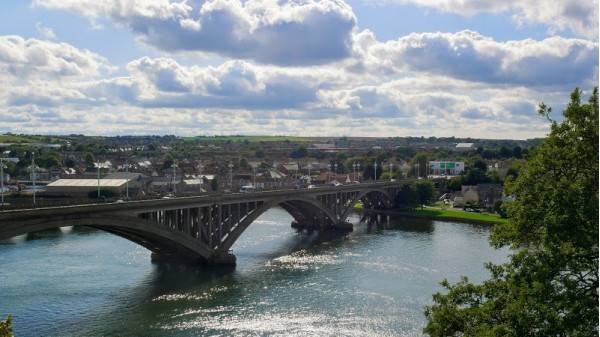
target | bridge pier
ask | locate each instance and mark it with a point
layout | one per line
(222, 259)
(304, 225)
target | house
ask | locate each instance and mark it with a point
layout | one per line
(470, 194)
(489, 193)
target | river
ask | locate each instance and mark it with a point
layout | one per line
(374, 281)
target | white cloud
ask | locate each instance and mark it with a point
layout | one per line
(34, 58)
(468, 55)
(580, 17)
(46, 32)
(266, 31)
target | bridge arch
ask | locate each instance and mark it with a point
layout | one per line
(163, 241)
(375, 198)
(301, 208)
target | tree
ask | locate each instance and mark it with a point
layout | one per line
(406, 197)
(517, 152)
(89, 159)
(299, 152)
(425, 192)
(6, 327)
(549, 287)
(505, 152)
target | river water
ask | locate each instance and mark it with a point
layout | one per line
(373, 281)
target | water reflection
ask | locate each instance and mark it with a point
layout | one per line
(377, 221)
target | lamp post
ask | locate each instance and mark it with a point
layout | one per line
(358, 170)
(375, 171)
(254, 164)
(2, 181)
(200, 166)
(230, 175)
(309, 167)
(33, 168)
(98, 178)
(328, 170)
(174, 166)
(126, 180)
(391, 166)
(354, 170)
(335, 166)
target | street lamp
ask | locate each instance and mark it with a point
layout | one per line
(254, 165)
(375, 171)
(200, 166)
(391, 166)
(354, 170)
(328, 170)
(126, 180)
(335, 171)
(2, 181)
(358, 170)
(33, 168)
(98, 175)
(230, 175)
(309, 167)
(174, 166)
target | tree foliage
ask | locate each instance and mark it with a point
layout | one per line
(549, 287)
(6, 327)
(406, 197)
(425, 192)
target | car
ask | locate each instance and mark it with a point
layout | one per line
(311, 186)
(247, 188)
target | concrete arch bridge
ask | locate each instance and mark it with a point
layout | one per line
(204, 228)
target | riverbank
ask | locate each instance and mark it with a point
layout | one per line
(436, 213)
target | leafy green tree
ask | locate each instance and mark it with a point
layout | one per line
(425, 192)
(406, 197)
(512, 172)
(478, 163)
(505, 152)
(517, 152)
(549, 287)
(299, 152)
(89, 159)
(6, 327)
(421, 159)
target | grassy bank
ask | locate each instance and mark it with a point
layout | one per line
(446, 214)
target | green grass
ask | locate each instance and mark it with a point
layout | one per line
(25, 139)
(454, 215)
(442, 213)
(251, 139)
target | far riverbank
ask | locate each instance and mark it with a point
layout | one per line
(436, 213)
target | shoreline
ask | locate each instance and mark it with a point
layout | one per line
(426, 214)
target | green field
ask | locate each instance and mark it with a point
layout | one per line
(445, 214)
(251, 139)
(435, 213)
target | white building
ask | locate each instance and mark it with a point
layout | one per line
(450, 168)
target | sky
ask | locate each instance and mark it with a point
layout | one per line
(368, 68)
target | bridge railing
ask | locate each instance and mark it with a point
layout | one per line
(44, 201)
